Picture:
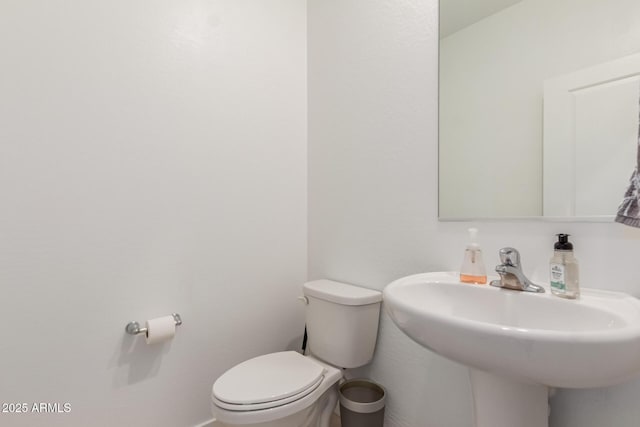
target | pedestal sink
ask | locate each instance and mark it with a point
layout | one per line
(518, 344)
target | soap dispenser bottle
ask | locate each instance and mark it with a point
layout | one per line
(563, 269)
(473, 270)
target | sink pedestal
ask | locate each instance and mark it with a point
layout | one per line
(502, 402)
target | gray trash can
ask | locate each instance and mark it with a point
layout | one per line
(362, 403)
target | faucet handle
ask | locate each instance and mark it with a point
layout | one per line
(510, 256)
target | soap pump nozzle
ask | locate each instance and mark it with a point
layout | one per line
(473, 239)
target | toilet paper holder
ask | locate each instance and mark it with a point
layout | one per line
(133, 328)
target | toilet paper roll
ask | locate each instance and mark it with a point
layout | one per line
(160, 329)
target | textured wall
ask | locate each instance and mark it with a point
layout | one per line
(372, 177)
(145, 169)
(373, 204)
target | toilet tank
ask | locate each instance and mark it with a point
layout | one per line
(342, 322)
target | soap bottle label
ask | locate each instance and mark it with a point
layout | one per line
(558, 282)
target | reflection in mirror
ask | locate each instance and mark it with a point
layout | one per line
(509, 66)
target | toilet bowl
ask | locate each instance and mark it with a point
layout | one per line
(283, 389)
(288, 389)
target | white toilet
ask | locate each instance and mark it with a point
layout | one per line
(287, 389)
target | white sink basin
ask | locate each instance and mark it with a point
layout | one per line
(525, 338)
(590, 342)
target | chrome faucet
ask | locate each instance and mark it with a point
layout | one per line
(511, 275)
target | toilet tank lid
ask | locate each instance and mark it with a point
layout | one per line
(341, 293)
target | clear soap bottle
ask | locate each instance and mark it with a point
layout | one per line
(472, 270)
(563, 269)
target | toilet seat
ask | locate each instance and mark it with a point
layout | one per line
(244, 416)
(267, 381)
(266, 405)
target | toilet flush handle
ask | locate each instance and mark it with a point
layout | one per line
(305, 300)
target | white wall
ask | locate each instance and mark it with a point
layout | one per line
(152, 159)
(492, 75)
(373, 204)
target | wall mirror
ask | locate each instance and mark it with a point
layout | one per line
(538, 107)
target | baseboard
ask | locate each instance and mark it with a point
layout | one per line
(335, 421)
(211, 423)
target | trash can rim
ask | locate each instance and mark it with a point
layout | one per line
(362, 407)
